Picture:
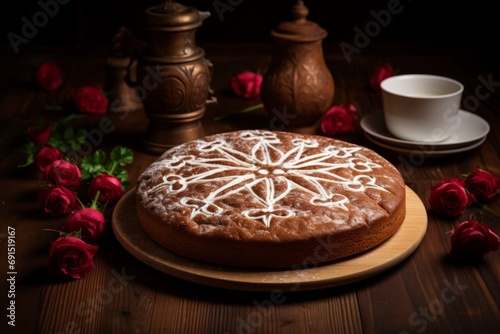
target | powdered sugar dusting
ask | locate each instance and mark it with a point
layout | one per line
(208, 174)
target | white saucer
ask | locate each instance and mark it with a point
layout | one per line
(426, 150)
(471, 128)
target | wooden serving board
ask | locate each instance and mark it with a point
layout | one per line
(388, 254)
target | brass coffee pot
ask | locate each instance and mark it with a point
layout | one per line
(123, 98)
(298, 87)
(172, 76)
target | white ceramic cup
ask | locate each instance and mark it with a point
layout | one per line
(421, 107)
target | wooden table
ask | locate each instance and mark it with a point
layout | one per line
(424, 293)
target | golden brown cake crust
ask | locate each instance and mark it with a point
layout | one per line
(258, 198)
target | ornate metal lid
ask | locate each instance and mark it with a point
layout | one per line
(299, 29)
(172, 16)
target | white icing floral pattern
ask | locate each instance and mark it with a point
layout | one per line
(264, 166)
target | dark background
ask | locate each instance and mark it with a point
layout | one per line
(471, 26)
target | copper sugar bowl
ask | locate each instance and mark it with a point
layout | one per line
(172, 76)
(298, 84)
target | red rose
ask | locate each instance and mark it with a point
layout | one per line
(110, 188)
(339, 120)
(63, 173)
(39, 136)
(471, 240)
(246, 84)
(71, 257)
(90, 100)
(48, 76)
(57, 200)
(46, 156)
(450, 197)
(90, 221)
(383, 72)
(482, 184)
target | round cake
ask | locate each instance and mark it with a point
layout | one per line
(269, 199)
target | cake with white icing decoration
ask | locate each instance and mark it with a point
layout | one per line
(258, 198)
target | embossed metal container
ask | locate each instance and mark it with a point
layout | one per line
(173, 76)
(298, 87)
(124, 98)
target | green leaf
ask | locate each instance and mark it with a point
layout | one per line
(73, 139)
(86, 168)
(80, 137)
(56, 140)
(122, 175)
(85, 175)
(77, 141)
(68, 134)
(89, 168)
(69, 139)
(99, 157)
(122, 155)
(71, 117)
(242, 111)
(29, 161)
(110, 167)
(30, 149)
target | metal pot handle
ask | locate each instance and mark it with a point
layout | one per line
(211, 95)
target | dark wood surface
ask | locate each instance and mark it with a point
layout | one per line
(425, 293)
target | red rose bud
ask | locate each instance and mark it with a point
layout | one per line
(450, 197)
(90, 100)
(90, 221)
(71, 257)
(48, 76)
(383, 72)
(482, 184)
(39, 136)
(471, 240)
(110, 188)
(45, 157)
(339, 120)
(57, 200)
(63, 173)
(246, 84)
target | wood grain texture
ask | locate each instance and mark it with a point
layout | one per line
(308, 276)
(425, 293)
